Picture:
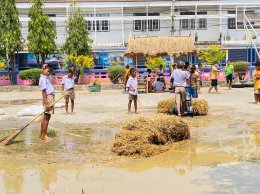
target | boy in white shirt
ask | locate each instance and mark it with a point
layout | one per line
(68, 85)
(131, 86)
(48, 100)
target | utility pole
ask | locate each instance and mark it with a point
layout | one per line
(172, 16)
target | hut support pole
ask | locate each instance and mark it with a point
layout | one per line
(136, 61)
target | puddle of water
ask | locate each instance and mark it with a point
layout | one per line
(69, 146)
(179, 178)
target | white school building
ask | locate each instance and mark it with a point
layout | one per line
(112, 22)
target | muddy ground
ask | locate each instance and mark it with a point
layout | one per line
(223, 155)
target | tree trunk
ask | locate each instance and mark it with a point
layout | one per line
(11, 70)
(43, 56)
(38, 60)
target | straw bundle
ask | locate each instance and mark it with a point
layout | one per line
(165, 106)
(163, 45)
(200, 106)
(147, 137)
(173, 128)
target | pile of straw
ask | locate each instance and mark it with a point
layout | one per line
(147, 137)
(200, 106)
(165, 106)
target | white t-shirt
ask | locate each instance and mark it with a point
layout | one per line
(180, 77)
(45, 84)
(132, 83)
(68, 83)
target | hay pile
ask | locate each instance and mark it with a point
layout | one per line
(147, 137)
(200, 106)
(165, 106)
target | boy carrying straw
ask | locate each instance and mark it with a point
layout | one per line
(256, 76)
(131, 86)
(48, 99)
(68, 85)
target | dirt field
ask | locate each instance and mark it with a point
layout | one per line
(222, 156)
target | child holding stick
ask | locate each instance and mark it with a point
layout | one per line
(48, 99)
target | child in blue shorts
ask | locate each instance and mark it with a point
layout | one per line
(195, 81)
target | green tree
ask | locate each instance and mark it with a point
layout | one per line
(42, 34)
(154, 63)
(77, 41)
(211, 54)
(10, 33)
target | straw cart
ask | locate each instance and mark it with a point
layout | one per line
(172, 46)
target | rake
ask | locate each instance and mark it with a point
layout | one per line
(7, 140)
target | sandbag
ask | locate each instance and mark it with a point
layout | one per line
(30, 111)
(59, 105)
(2, 112)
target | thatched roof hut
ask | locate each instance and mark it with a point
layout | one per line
(160, 46)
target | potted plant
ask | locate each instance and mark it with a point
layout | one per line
(95, 87)
(115, 72)
(82, 62)
(241, 68)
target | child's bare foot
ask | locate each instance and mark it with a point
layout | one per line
(136, 112)
(72, 113)
(129, 112)
(46, 139)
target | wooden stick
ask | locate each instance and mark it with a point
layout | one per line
(8, 139)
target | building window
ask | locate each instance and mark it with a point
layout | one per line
(202, 24)
(141, 25)
(231, 21)
(137, 25)
(99, 25)
(202, 21)
(187, 24)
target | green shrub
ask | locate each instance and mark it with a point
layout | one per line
(115, 73)
(96, 83)
(241, 67)
(31, 74)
